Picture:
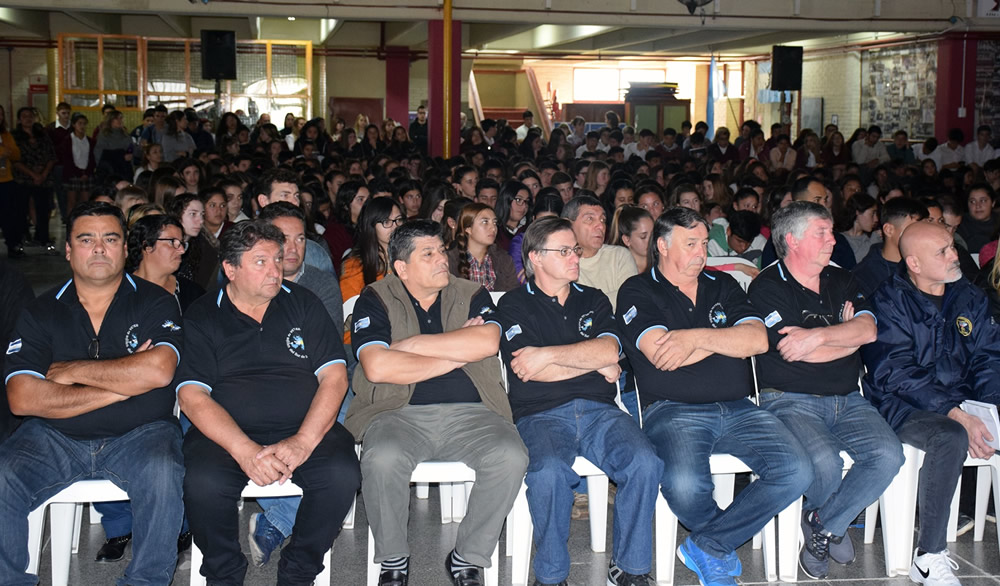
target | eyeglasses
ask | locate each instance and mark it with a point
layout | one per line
(175, 243)
(565, 250)
(520, 200)
(94, 349)
(398, 221)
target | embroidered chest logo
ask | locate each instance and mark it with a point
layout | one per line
(586, 324)
(296, 345)
(14, 347)
(964, 326)
(717, 316)
(170, 326)
(131, 339)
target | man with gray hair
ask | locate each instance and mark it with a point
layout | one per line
(602, 266)
(429, 388)
(262, 386)
(816, 318)
(688, 333)
(561, 345)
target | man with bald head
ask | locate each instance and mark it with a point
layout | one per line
(936, 347)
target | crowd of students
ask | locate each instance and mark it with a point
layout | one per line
(182, 188)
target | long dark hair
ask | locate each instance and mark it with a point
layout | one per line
(143, 235)
(508, 191)
(342, 206)
(37, 131)
(465, 220)
(434, 192)
(373, 259)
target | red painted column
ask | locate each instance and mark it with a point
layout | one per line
(397, 84)
(435, 85)
(950, 68)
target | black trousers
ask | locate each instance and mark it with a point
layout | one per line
(213, 481)
(42, 197)
(13, 213)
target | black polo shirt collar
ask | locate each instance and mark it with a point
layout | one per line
(67, 293)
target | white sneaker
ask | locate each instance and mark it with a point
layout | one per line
(936, 569)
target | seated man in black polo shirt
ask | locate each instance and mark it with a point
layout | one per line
(91, 364)
(429, 388)
(688, 334)
(560, 342)
(262, 385)
(817, 318)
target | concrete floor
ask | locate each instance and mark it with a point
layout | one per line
(431, 541)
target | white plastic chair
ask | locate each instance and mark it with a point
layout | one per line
(348, 312)
(65, 523)
(270, 491)
(987, 473)
(445, 473)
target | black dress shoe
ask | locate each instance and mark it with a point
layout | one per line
(466, 577)
(393, 578)
(183, 542)
(113, 549)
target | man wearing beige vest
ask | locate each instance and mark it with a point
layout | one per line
(429, 388)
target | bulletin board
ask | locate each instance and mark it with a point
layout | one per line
(988, 86)
(898, 89)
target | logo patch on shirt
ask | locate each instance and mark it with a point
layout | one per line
(362, 324)
(14, 347)
(630, 315)
(486, 310)
(586, 323)
(772, 318)
(169, 325)
(131, 340)
(717, 316)
(513, 331)
(964, 326)
(296, 345)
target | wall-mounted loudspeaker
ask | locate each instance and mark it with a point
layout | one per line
(218, 54)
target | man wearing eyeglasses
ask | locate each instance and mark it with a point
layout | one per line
(562, 349)
(688, 333)
(90, 364)
(429, 388)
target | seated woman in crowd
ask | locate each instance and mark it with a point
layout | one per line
(341, 228)
(476, 256)
(200, 262)
(632, 228)
(156, 245)
(860, 224)
(512, 207)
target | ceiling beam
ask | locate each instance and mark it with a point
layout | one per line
(254, 23)
(405, 34)
(35, 22)
(179, 24)
(618, 39)
(329, 27)
(546, 36)
(481, 34)
(101, 22)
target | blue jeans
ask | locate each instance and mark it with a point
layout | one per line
(826, 425)
(37, 462)
(281, 511)
(685, 436)
(609, 438)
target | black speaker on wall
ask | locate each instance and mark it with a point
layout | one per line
(786, 68)
(218, 54)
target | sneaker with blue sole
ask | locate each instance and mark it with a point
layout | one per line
(711, 571)
(265, 538)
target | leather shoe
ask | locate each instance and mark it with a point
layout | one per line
(113, 549)
(393, 578)
(466, 577)
(183, 542)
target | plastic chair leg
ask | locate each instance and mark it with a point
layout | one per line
(953, 518)
(492, 573)
(666, 542)
(36, 523)
(324, 578)
(77, 520)
(95, 515)
(423, 490)
(445, 490)
(519, 535)
(61, 516)
(982, 500)
(597, 502)
(196, 558)
(789, 534)
(373, 568)
(349, 519)
(767, 536)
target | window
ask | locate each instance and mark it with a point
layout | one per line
(609, 85)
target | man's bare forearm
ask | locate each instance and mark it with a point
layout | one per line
(213, 421)
(587, 355)
(129, 375)
(325, 404)
(37, 397)
(470, 344)
(382, 365)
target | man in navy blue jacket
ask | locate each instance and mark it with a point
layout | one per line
(937, 346)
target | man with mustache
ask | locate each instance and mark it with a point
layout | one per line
(816, 318)
(429, 388)
(688, 333)
(936, 347)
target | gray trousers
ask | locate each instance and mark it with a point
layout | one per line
(397, 441)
